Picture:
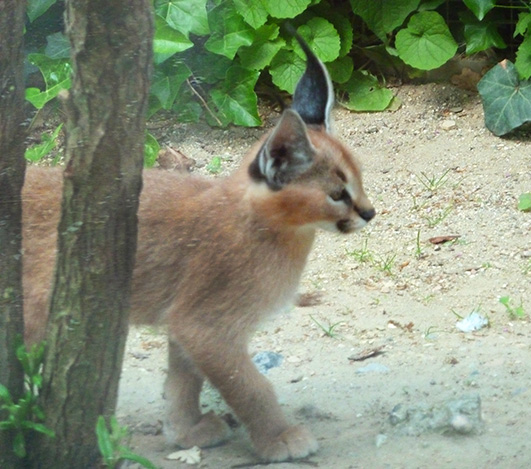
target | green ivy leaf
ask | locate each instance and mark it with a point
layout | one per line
(480, 35)
(506, 99)
(36, 8)
(286, 69)
(285, 9)
(341, 69)
(253, 13)
(426, 43)
(265, 46)
(57, 46)
(480, 7)
(229, 31)
(56, 74)
(365, 93)
(167, 41)
(524, 202)
(236, 98)
(523, 58)
(383, 16)
(167, 82)
(186, 109)
(522, 25)
(185, 16)
(322, 37)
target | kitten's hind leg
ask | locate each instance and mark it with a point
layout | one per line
(184, 423)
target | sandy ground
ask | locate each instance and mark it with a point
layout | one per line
(431, 396)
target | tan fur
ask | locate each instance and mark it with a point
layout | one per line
(214, 257)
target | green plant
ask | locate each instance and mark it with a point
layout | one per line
(363, 254)
(213, 56)
(111, 446)
(438, 217)
(25, 415)
(515, 312)
(524, 202)
(328, 330)
(214, 166)
(385, 263)
(433, 183)
(48, 143)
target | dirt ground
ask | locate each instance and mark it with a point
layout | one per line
(430, 396)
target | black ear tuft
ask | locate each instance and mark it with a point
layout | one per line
(314, 94)
(286, 154)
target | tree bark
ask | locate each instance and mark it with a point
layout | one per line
(12, 166)
(111, 57)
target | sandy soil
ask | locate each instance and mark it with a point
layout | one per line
(431, 169)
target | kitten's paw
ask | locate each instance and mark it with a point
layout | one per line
(211, 430)
(293, 443)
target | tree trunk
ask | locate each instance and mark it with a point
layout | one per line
(12, 166)
(111, 57)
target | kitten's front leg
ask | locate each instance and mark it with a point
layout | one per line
(253, 399)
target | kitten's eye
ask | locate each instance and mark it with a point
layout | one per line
(341, 195)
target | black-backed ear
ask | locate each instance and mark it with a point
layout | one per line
(314, 94)
(286, 154)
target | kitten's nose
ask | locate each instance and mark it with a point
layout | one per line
(367, 215)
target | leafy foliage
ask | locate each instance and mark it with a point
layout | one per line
(25, 415)
(506, 99)
(213, 56)
(112, 449)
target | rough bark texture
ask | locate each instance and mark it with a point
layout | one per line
(111, 57)
(12, 165)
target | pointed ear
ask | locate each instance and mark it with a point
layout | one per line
(286, 154)
(314, 94)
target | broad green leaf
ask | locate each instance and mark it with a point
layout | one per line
(524, 202)
(167, 82)
(426, 43)
(341, 69)
(185, 16)
(252, 12)
(286, 69)
(57, 46)
(206, 66)
(365, 93)
(480, 35)
(266, 45)
(339, 16)
(186, 108)
(104, 440)
(426, 5)
(285, 8)
(322, 37)
(506, 99)
(524, 20)
(56, 74)
(523, 58)
(236, 98)
(36, 8)
(383, 16)
(167, 41)
(151, 150)
(229, 31)
(480, 7)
